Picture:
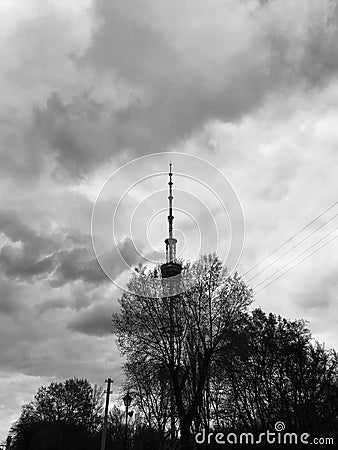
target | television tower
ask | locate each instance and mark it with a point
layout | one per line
(171, 268)
(171, 277)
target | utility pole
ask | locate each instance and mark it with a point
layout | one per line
(104, 431)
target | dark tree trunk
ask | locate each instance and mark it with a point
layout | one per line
(186, 442)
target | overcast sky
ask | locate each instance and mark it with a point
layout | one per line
(88, 86)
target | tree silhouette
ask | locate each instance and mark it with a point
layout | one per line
(151, 396)
(62, 416)
(201, 359)
(181, 335)
(275, 371)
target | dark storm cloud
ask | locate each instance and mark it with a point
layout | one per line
(10, 297)
(36, 49)
(57, 303)
(95, 321)
(76, 297)
(17, 231)
(62, 257)
(76, 133)
(24, 262)
(171, 99)
(77, 264)
(172, 84)
(27, 253)
(120, 258)
(171, 95)
(19, 156)
(180, 97)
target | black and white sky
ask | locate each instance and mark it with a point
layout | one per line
(87, 86)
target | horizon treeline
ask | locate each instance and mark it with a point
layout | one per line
(202, 359)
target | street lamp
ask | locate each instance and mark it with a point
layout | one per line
(127, 401)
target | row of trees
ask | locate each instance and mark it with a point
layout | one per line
(199, 360)
(204, 359)
(65, 415)
(69, 416)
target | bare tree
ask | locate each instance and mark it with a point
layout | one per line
(181, 334)
(274, 371)
(62, 415)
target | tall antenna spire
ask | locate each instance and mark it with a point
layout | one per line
(170, 217)
(171, 268)
(170, 241)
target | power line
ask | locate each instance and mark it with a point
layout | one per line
(290, 239)
(297, 264)
(294, 259)
(296, 245)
